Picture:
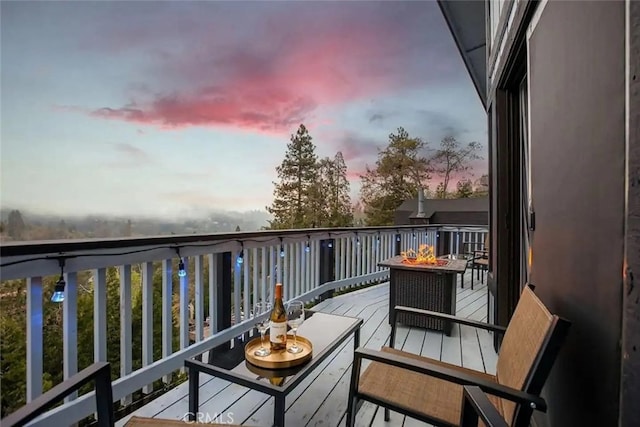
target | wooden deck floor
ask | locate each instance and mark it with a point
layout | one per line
(321, 399)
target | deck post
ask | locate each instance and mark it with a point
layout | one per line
(327, 265)
(222, 297)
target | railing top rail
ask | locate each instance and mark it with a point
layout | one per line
(38, 247)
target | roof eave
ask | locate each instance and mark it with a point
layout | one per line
(479, 82)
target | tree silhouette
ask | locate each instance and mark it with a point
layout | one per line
(401, 169)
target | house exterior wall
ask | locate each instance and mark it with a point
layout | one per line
(576, 76)
(577, 128)
(629, 413)
(460, 218)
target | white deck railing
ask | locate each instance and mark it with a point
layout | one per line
(241, 268)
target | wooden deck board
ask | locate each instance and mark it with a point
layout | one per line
(321, 398)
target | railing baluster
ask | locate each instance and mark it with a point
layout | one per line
(70, 330)
(374, 246)
(354, 256)
(265, 254)
(366, 254)
(246, 289)
(147, 319)
(125, 326)
(34, 337)
(167, 316)
(309, 283)
(291, 278)
(361, 243)
(280, 268)
(337, 247)
(349, 257)
(256, 270)
(237, 290)
(213, 275)
(298, 280)
(184, 308)
(273, 271)
(199, 297)
(311, 263)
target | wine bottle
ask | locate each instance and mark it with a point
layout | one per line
(278, 322)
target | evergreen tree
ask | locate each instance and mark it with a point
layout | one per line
(400, 171)
(334, 188)
(481, 186)
(15, 225)
(465, 188)
(293, 204)
(440, 191)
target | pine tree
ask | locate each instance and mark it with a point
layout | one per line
(465, 188)
(293, 204)
(400, 171)
(334, 191)
(15, 225)
(481, 186)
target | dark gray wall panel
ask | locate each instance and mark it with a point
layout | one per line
(578, 163)
(630, 414)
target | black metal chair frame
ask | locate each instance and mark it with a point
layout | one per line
(99, 372)
(474, 403)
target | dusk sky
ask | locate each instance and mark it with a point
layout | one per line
(177, 108)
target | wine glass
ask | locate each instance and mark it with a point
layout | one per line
(295, 317)
(262, 325)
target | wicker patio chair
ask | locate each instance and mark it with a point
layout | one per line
(432, 391)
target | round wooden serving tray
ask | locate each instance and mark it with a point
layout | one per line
(279, 359)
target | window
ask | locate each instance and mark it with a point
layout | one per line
(525, 182)
(495, 9)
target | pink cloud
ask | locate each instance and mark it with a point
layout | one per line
(278, 78)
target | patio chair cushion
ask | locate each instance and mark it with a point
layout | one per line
(528, 328)
(159, 422)
(417, 392)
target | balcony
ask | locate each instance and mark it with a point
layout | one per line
(203, 306)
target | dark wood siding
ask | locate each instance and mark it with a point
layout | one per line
(630, 415)
(461, 218)
(577, 77)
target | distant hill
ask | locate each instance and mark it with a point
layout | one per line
(44, 227)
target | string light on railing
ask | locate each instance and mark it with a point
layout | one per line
(240, 258)
(58, 292)
(378, 238)
(330, 242)
(281, 248)
(307, 248)
(357, 240)
(181, 271)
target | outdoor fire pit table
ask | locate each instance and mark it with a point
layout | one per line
(428, 287)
